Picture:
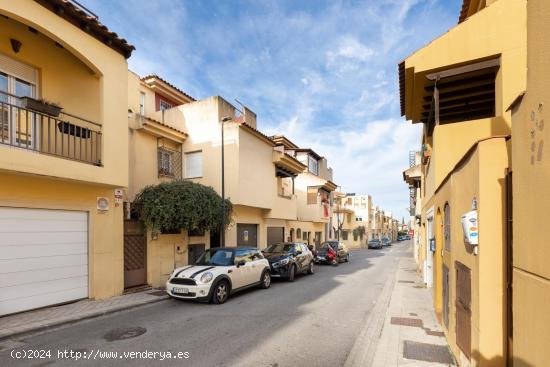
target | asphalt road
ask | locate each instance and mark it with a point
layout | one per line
(311, 322)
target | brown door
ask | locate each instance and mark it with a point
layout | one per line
(318, 240)
(135, 254)
(247, 234)
(193, 253)
(446, 296)
(463, 310)
(275, 235)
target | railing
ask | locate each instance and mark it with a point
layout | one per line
(66, 136)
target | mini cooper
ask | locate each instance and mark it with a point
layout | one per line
(219, 272)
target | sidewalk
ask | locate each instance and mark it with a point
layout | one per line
(411, 335)
(50, 317)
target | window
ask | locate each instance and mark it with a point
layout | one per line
(313, 165)
(142, 103)
(312, 192)
(305, 236)
(193, 164)
(447, 227)
(165, 162)
(298, 233)
(345, 234)
(165, 105)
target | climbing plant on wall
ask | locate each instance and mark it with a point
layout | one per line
(181, 205)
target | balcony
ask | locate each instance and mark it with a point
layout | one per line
(65, 136)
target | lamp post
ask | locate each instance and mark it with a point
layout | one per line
(222, 227)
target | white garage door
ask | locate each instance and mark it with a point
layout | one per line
(43, 258)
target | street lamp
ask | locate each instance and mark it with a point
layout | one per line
(222, 227)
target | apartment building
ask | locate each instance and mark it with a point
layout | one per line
(314, 190)
(154, 156)
(62, 164)
(459, 87)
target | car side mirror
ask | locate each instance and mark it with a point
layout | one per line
(241, 263)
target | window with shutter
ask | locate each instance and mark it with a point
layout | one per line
(193, 164)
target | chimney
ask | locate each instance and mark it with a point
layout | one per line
(249, 117)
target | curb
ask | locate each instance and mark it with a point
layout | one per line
(363, 350)
(76, 319)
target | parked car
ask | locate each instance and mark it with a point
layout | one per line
(401, 238)
(288, 259)
(219, 272)
(325, 253)
(386, 241)
(375, 243)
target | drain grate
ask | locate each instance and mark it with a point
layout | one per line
(124, 333)
(407, 321)
(405, 281)
(157, 293)
(426, 352)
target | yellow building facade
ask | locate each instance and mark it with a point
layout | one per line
(530, 269)
(460, 86)
(60, 171)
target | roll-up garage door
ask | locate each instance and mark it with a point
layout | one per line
(43, 258)
(275, 235)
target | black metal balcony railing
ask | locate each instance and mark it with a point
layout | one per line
(66, 136)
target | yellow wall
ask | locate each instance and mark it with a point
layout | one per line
(531, 178)
(106, 276)
(86, 77)
(480, 176)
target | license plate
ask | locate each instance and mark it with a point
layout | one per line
(321, 258)
(180, 290)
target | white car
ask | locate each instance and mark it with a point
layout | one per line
(219, 272)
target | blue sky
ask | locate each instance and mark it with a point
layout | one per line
(324, 73)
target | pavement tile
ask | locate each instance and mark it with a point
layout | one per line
(31, 321)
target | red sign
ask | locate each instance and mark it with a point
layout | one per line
(411, 232)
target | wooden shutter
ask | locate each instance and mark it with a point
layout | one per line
(312, 195)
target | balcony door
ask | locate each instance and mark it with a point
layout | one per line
(16, 124)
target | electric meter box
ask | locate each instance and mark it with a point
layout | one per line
(470, 227)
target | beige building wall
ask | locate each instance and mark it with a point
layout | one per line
(531, 199)
(88, 79)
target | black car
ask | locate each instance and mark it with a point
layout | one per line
(386, 241)
(340, 249)
(288, 259)
(375, 243)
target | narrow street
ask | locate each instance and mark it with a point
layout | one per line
(312, 322)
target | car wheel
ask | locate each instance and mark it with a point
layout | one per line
(220, 292)
(266, 280)
(310, 268)
(291, 273)
(347, 258)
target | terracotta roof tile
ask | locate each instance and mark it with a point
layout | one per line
(167, 83)
(86, 22)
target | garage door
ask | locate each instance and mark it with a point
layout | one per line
(43, 258)
(275, 235)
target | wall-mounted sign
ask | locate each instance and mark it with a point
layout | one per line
(102, 204)
(245, 235)
(118, 197)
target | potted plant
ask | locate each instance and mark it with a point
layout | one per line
(41, 105)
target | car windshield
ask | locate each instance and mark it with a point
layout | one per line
(280, 247)
(325, 245)
(219, 257)
(373, 241)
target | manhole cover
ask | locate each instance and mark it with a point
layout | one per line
(427, 352)
(124, 333)
(407, 321)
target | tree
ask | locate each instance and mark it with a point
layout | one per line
(359, 232)
(181, 205)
